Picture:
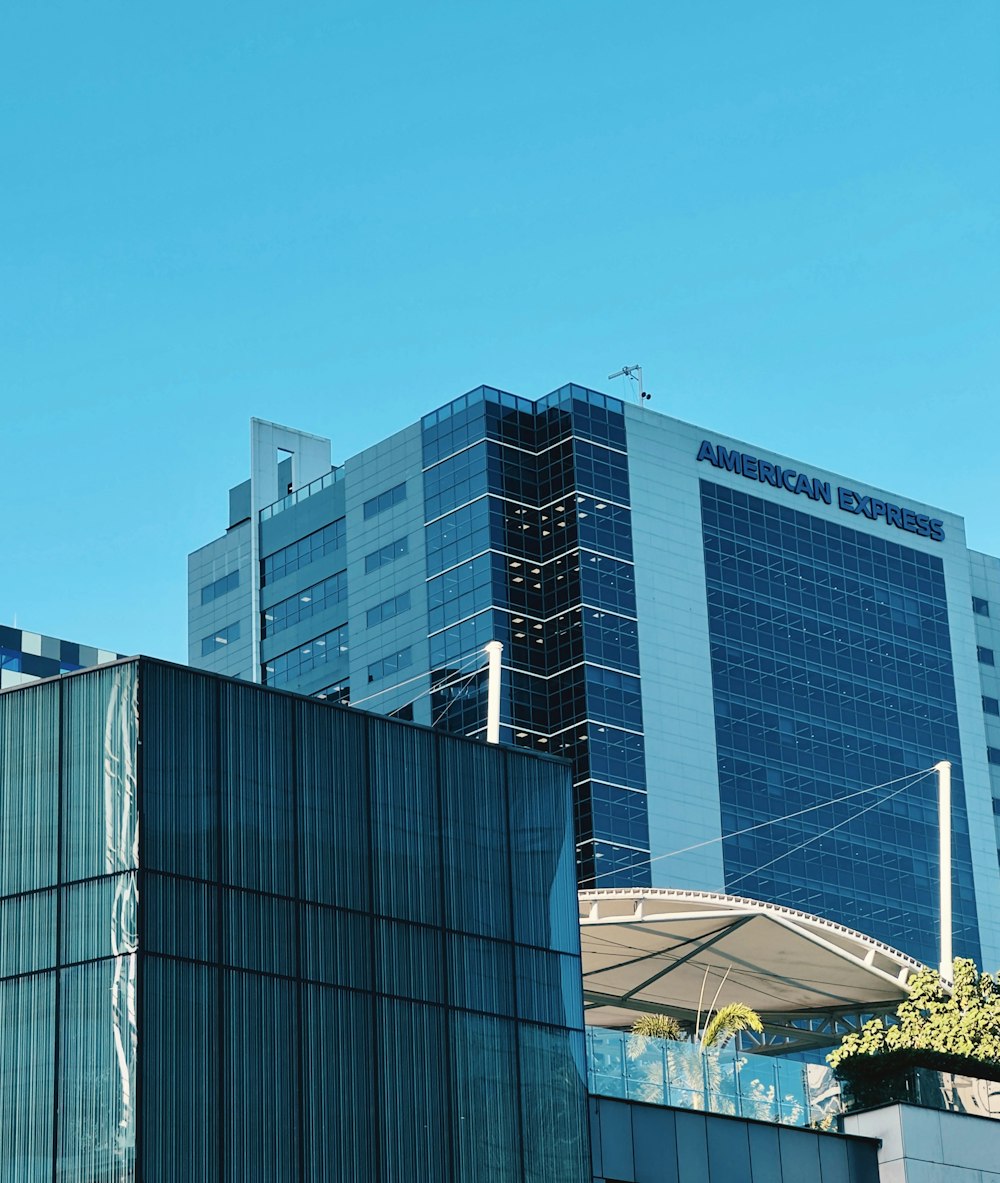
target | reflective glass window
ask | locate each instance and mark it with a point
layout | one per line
(392, 663)
(386, 554)
(388, 609)
(832, 673)
(220, 638)
(986, 656)
(307, 550)
(384, 501)
(980, 606)
(311, 600)
(219, 587)
(286, 667)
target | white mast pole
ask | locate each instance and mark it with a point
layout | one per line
(943, 769)
(494, 649)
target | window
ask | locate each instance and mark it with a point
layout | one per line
(991, 706)
(307, 550)
(219, 638)
(338, 692)
(993, 755)
(212, 591)
(384, 501)
(390, 665)
(388, 609)
(980, 607)
(985, 655)
(285, 668)
(386, 554)
(319, 597)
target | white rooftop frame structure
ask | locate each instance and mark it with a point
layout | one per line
(666, 951)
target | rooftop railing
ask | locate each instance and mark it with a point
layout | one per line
(668, 1072)
(321, 482)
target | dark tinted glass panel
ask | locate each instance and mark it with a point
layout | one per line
(29, 788)
(27, 1076)
(256, 766)
(27, 933)
(262, 1095)
(100, 817)
(484, 1070)
(832, 673)
(180, 756)
(405, 823)
(342, 1085)
(97, 1072)
(99, 918)
(476, 855)
(412, 1064)
(183, 1043)
(553, 1107)
(542, 860)
(335, 864)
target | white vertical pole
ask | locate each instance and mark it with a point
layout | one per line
(494, 649)
(943, 769)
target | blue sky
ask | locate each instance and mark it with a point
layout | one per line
(340, 216)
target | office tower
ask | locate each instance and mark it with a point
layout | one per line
(249, 936)
(722, 640)
(26, 656)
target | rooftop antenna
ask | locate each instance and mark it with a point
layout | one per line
(634, 373)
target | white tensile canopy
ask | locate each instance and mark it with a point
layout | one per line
(667, 951)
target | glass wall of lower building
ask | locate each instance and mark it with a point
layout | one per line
(346, 948)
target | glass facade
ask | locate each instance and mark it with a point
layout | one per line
(312, 965)
(529, 542)
(832, 672)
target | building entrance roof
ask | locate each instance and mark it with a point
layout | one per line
(673, 952)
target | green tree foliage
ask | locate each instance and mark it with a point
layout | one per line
(965, 1022)
(657, 1027)
(727, 1022)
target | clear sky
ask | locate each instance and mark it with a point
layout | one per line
(340, 216)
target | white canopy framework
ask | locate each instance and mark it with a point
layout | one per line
(667, 951)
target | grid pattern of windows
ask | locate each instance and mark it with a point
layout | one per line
(391, 664)
(528, 541)
(832, 672)
(386, 554)
(287, 667)
(304, 604)
(339, 692)
(220, 638)
(384, 501)
(335, 967)
(219, 587)
(388, 609)
(980, 606)
(300, 554)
